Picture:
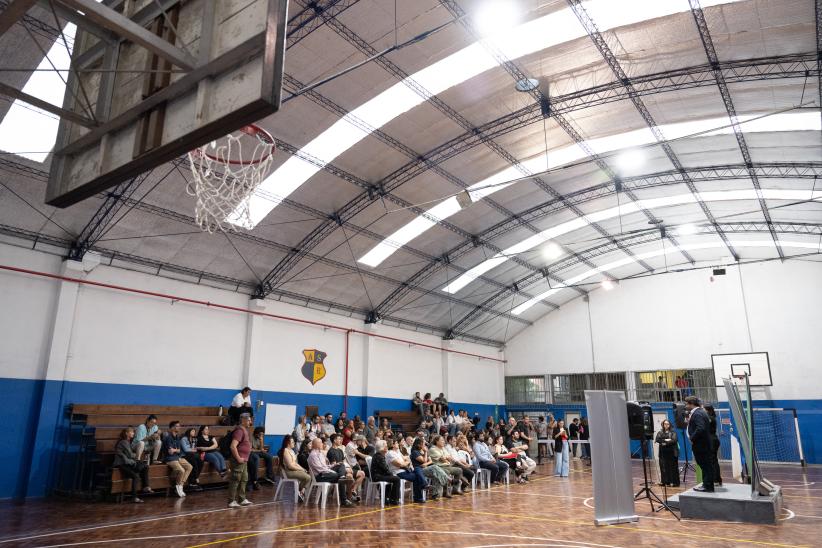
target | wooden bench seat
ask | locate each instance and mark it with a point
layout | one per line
(162, 420)
(158, 476)
(143, 410)
(113, 432)
(407, 420)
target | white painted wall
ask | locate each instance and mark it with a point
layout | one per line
(126, 338)
(678, 320)
(27, 308)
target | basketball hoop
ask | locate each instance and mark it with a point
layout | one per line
(226, 175)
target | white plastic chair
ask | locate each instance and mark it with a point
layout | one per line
(370, 491)
(481, 476)
(321, 488)
(406, 485)
(284, 480)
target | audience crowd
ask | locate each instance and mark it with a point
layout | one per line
(439, 459)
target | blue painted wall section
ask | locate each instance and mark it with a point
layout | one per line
(40, 444)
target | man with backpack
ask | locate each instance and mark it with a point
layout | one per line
(239, 451)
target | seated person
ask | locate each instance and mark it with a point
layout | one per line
(385, 424)
(400, 465)
(427, 405)
(381, 472)
(486, 459)
(290, 467)
(460, 459)
(421, 461)
(207, 445)
(441, 404)
(338, 455)
(147, 437)
(189, 444)
(355, 459)
(302, 454)
(503, 454)
(180, 468)
(416, 402)
(130, 467)
(371, 430)
(239, 405)
(340, 426)
(517, 445)
(259, 451)
(328, 425)
(320, 467)
(439, 456)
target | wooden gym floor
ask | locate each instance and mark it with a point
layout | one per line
(547, 512)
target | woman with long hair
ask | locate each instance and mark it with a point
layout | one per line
(668, 455)
(714, 442)
(130, 467)
(421, 461)
(561, 449)
(289, 465)
(207, 444)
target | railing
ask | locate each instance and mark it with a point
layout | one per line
(654, 395)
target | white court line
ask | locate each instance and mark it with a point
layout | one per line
(126, 523)
(568, 543)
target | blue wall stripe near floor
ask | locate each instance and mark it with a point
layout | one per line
(35, 442)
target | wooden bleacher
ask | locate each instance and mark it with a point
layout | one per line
(101, 425)
(407, 421)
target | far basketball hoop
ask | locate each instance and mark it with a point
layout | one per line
(226, 172)
(755, 365)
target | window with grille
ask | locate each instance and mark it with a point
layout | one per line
(670, 385)
(524, 390)
(571, 388)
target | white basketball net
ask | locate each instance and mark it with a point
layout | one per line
(225, 177)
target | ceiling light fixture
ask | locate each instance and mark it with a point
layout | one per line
(607, 285)
(494, 16)
(630, 160)
(687, 229)
(551, 251)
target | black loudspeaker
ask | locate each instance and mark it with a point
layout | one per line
(680, 416)
(640, 421)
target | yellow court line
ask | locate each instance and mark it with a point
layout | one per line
(626, 528)
(298, 526)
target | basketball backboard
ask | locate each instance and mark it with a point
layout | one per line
(731, 366)
(169, 76)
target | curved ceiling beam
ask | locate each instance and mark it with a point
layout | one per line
(713, 59)
(462, 326)
(765, 170)
(610, 59)
(789, 66)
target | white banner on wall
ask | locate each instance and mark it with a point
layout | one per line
(279, 419)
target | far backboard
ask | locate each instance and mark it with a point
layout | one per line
(755, 364)
(167, 76)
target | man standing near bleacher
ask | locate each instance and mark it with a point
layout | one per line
(240, 451)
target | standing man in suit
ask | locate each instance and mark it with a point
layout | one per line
(701, 443)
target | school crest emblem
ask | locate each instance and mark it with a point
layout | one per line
(314, 369)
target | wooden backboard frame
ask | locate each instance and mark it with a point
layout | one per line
(72, 180)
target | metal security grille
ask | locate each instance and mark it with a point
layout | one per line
(571, 388)
(671, 385)
(520, 390)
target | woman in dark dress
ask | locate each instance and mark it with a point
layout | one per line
(668, 455)
(714, 443)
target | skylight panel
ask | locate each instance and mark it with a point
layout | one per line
(27, 130)
(555, 28)
(610, 213)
